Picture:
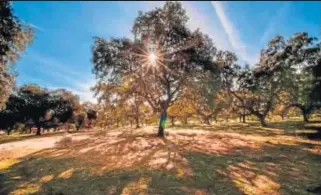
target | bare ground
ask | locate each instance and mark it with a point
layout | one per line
(18, 149)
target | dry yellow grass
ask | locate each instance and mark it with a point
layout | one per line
(231, 159)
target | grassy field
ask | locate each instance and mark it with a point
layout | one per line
(19, 137)
(13, 137)
(222, 159)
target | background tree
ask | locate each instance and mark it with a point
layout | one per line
(205, 88)
(14, 38)
(257, 88)
(11, 115)
(33, 106)
(65, 103)
(90, 110)
(303, 83)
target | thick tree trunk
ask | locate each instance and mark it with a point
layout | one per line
(185, 120)
(137, 122)
(77, 127)
(305, 111)
(243, 119)
(262, 120)
(305, 116)
(173, 121)
(282, 116)
(215, 119)
(162, 123)
(38, 130)
(207, 121)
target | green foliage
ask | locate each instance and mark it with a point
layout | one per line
(179, 52)
(14, 38)
(284, 67)
(34, 106)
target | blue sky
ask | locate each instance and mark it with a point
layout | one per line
(61, 52)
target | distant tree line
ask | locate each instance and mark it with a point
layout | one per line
(33, 106)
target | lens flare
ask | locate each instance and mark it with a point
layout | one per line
(152, 58)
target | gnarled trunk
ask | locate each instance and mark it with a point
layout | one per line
(262, 120)
(162, 123)
(305, 114)
(185, 120)
(8, 131)
(173, 121)
(305, 111)
(137, 122)
(207, 121)
(243, 118)
(215, 119)
(38, 130)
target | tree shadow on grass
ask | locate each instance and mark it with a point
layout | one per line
(241, 128)
(310, 131)
(277, 169)
(110, 165)
(182, 163)
(42, 175)
(53, 176)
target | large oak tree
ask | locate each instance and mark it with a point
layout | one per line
(159, 61)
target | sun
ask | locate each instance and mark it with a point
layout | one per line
(152, 58)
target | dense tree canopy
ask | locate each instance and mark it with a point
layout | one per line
(39, 107)
(284, 66)
(14, 38)
(158, 63)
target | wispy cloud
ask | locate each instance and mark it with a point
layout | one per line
(226, 38)
(232, 33)
(36, 27)
(79, 83)
(197, 19)
(52, 63)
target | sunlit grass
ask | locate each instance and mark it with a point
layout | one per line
(231, 159)
(26, 189)
(5, 164)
